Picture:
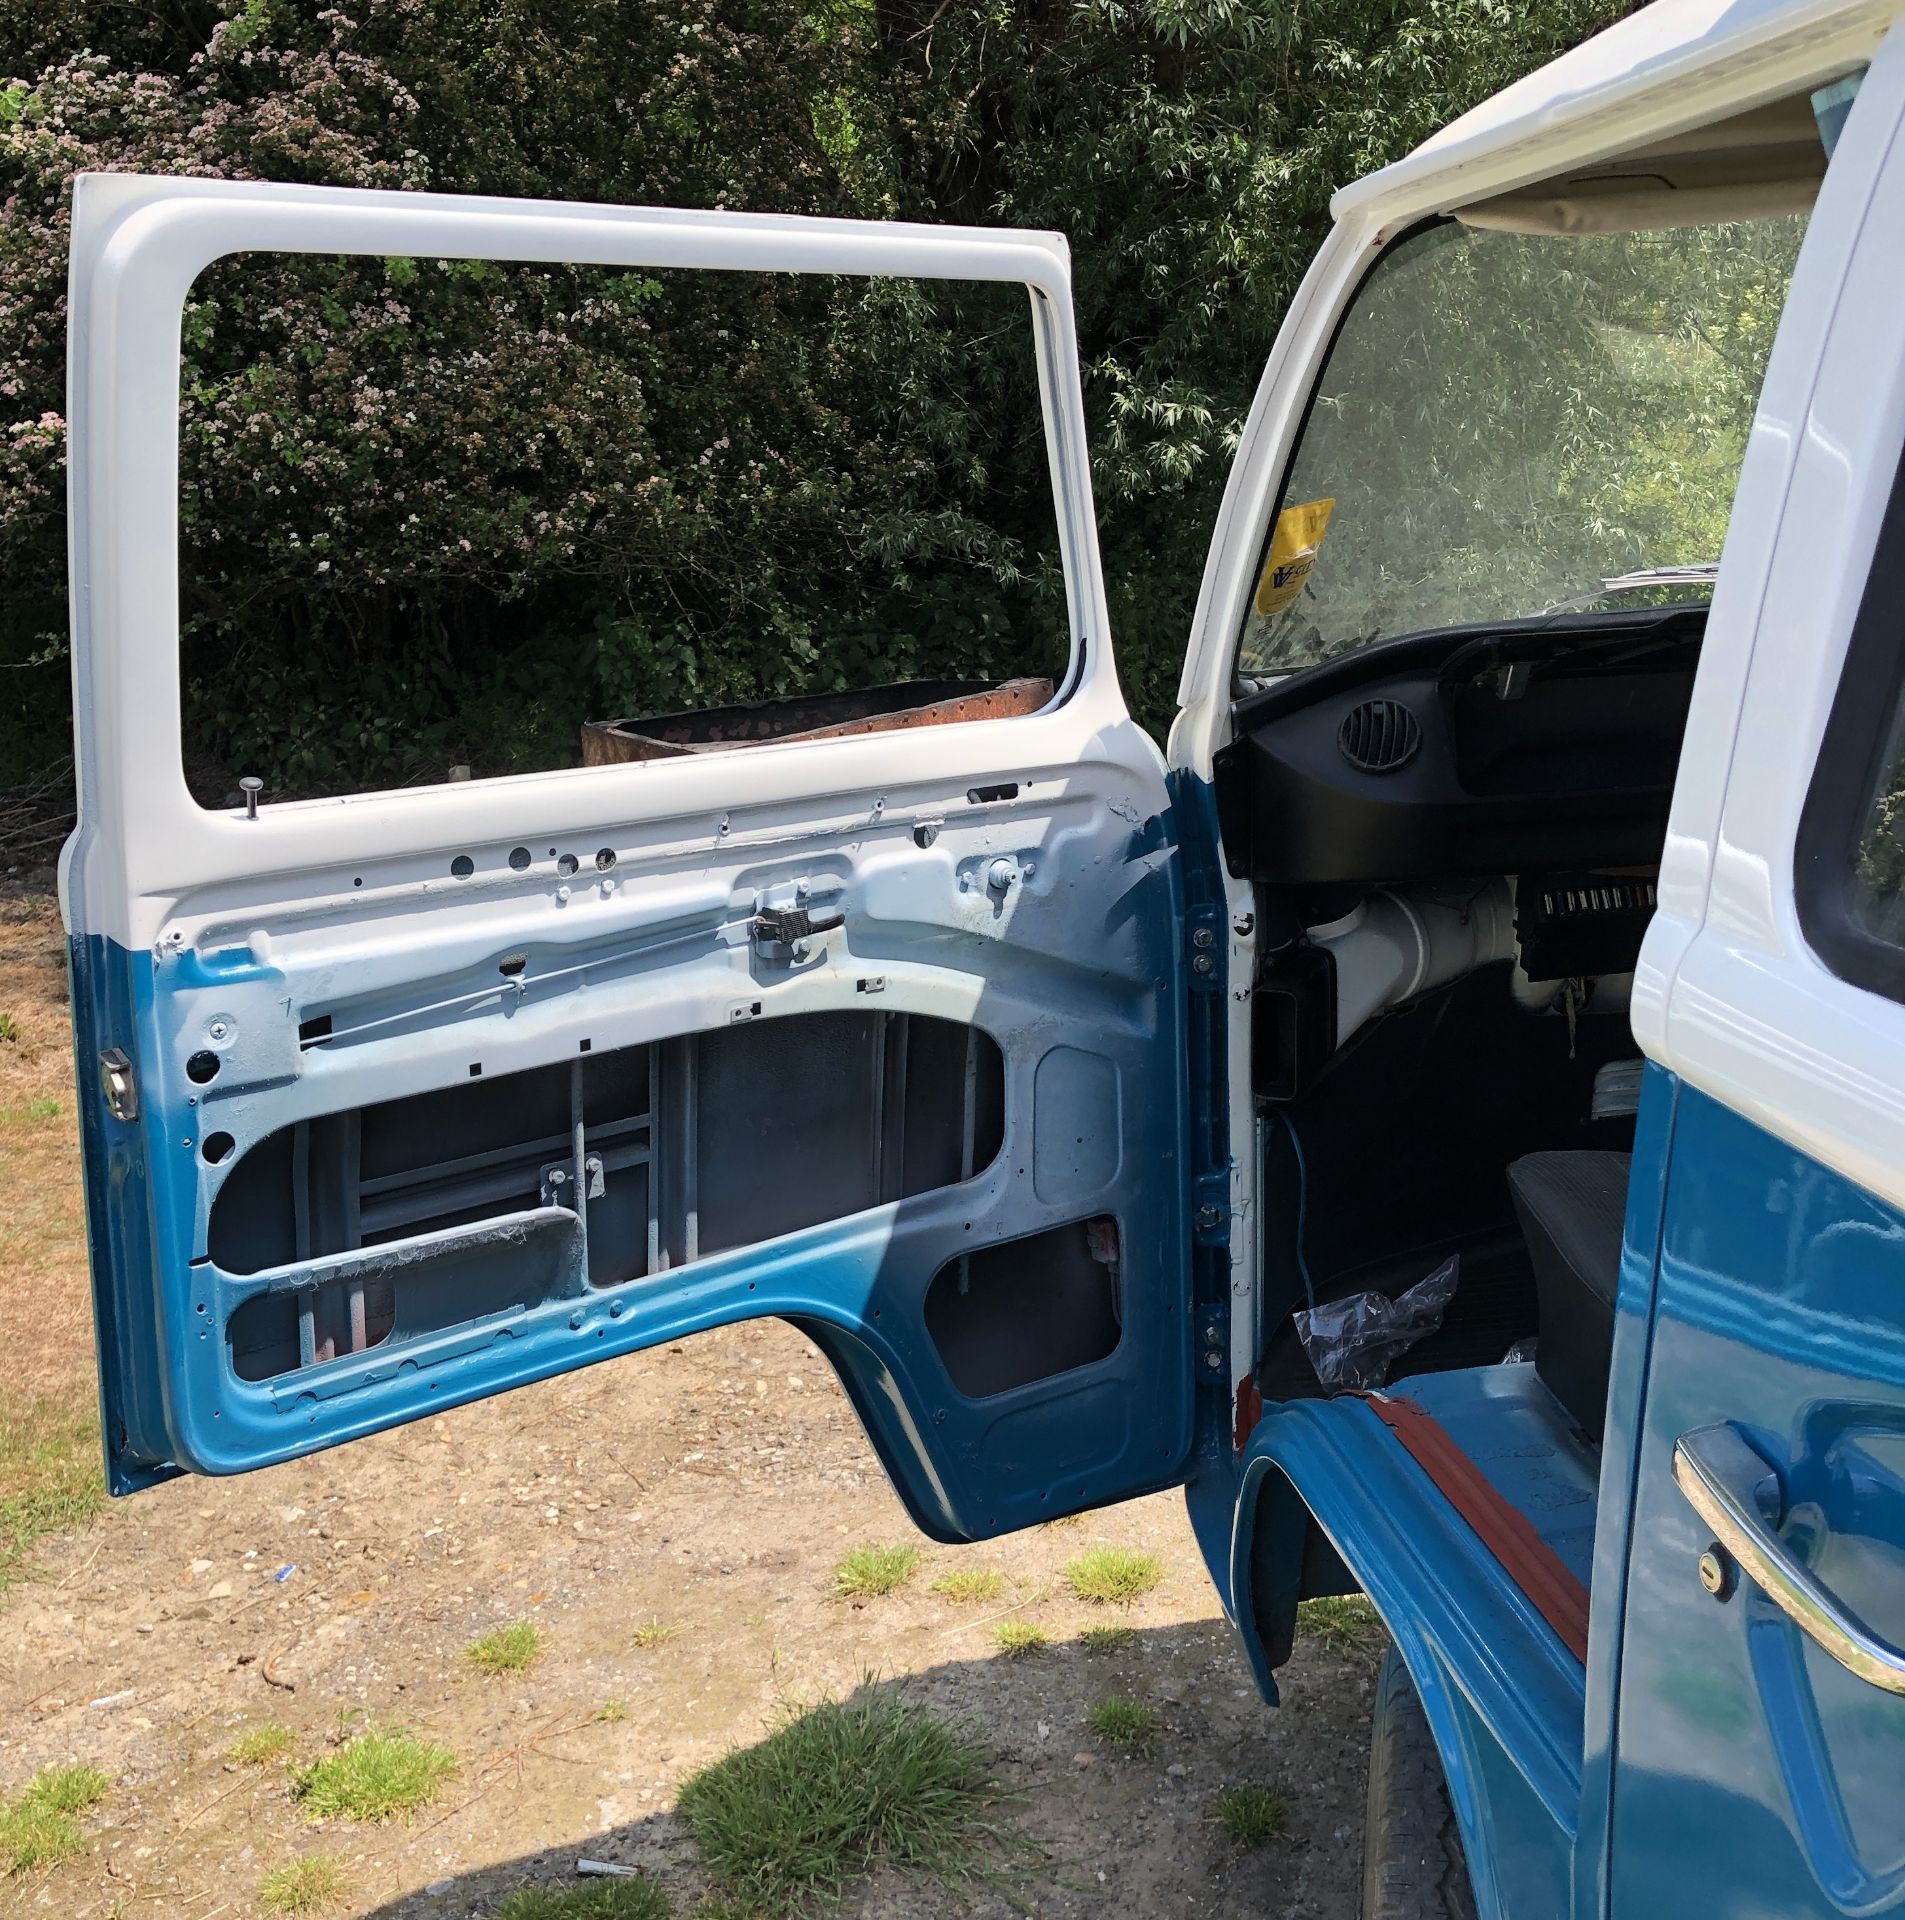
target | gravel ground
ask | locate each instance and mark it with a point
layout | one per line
(671, 1522)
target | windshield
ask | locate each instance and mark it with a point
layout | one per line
(1512, 424)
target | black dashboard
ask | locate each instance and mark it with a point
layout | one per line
(1527, 746)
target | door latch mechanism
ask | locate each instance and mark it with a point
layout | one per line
(119, 1084)
(786, 926)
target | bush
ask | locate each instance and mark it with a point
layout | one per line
(403, 542)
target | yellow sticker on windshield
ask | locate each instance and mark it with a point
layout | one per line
(1293, 550)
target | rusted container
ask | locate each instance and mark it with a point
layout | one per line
(815, 716)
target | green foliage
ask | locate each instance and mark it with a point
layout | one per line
(970, 1586)
(1015, 1638)
(611, 1898)
(834, 1792)
(511, 1649)
(40, 1827)
(1249, 1815)
(871, 1571)
(302, 1886)
(1340, 1620)
(1129, 1725)
(386, 1774)
(1113, 1576)
(1106, 1638)
(260, 1746)
(50, 1476)
(434, 512)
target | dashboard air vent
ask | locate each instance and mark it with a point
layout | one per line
(1379, 736)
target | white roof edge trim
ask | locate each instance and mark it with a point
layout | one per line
(1661, 71)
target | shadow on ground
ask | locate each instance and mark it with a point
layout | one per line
(1093, 1830)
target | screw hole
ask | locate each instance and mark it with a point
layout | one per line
(567, 864)
(202, 1067)
(605, 859)
(519, 858)
(216, 1147)
(462, 866)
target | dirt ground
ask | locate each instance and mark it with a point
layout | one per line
(671, 1521)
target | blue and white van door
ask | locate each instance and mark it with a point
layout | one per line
(397, 1101)
(1751, 1546)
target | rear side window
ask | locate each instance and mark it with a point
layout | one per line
(1849, 869)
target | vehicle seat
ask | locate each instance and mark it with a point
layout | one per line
(1571, 1207)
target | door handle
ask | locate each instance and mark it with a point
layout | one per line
(1718, 1472)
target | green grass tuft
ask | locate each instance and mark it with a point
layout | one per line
(1128, 1725)
(874, 1780)
(653, 1632)
(29, 1112)
(9, 1028)
(970, 1586)
(611, 1712)
(1017, 1637)
(50, 1475)
(1249, 1815)
(1107, 1637)
(616, 1898)
(303, 1886)
(1340, 1620)
(386, 1774)
(1113, 1576)
(871, 1571)
(259, 1746)
(511, 1649)
(40, 1827)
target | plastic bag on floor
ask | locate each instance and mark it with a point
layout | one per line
(1353, 1342)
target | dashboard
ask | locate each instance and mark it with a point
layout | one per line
(1522, 747)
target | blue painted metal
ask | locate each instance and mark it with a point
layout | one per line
(966, 1468)
(1754, 1774)
(1503, 1694)
(1214, 1471)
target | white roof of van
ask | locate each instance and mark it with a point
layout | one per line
(1672, 66)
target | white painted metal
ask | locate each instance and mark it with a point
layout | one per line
(143, 844)
(1729, 994)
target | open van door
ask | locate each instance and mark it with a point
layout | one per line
(395, 1101)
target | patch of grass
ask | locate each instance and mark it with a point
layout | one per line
(1339, 1620)
(40, 1827)
(970, 1586)
(871, 1571)
(9, 1028)
(385, 1774)
(1113, 1576)
(617, 1898)
(50, 1475)
(1106, 1637)
(653, 1632)
(302, 1886)
(610, 1712)
(1249, 1815)
(259, 1746)
(874, 1780)
(1017, 1637)
(29, 1112)
(511, 1649)
(1129, 1725)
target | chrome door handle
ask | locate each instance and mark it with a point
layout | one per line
(1718, 1473)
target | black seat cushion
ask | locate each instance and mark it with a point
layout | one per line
(1571, 1207)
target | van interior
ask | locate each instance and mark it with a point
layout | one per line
(1454, 749)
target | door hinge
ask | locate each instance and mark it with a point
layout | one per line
(119, 1084)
